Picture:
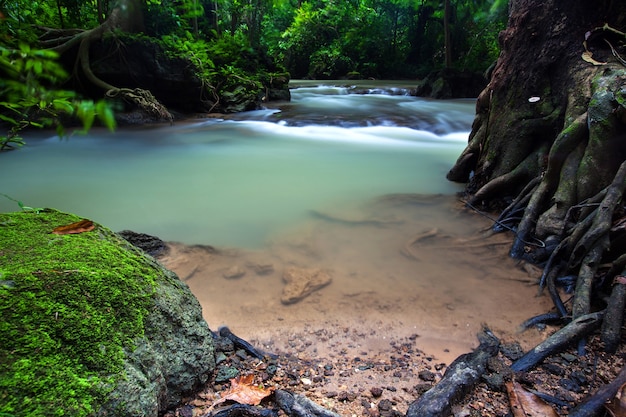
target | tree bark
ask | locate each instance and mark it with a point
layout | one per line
(555, 109)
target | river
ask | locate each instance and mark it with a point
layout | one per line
(297, 184)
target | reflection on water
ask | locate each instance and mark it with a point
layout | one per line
(236, 182)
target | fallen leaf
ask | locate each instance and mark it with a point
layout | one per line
(527, 404)
(78, 227)
(243, 391)
(617, 406)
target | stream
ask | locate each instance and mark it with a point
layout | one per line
(341, 178)
(235, 182)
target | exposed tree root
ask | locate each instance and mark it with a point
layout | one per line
(594, 404)
(574, 331)
(614, 319)
(64, 41)
(567, 140)
(458, 380)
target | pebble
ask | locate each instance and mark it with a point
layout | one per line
(376, 392)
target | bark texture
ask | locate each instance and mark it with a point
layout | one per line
(548, 146)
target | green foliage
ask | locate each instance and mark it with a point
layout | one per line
(226, 64)
(382, 38)
(69, 305)
(29, 98)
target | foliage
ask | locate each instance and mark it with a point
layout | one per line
(29, 98)
(381, 38)
(69, 304)
(227, 65)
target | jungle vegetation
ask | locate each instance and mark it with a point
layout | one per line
(236, 48)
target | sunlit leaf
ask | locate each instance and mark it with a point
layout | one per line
(74, 228)
(243, 391)
(62, 105)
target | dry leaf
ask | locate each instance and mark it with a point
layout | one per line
(78, 227)
(617, 406)
(527, 404)
(587, 57)
(243, 391)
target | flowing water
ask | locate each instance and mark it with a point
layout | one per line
(300, 184)
(234, 182)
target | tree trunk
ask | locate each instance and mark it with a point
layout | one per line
(446, 34)
(125, 16)
(554, 113)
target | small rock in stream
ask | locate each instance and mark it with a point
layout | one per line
(300, 282)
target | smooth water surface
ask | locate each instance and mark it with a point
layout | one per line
(236, 182)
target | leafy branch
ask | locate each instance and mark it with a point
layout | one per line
(29, 97)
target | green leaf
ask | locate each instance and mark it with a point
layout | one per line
(105, 114)
(62, 105)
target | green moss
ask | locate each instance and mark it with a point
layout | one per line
(69, 305)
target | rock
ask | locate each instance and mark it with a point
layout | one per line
(300, 282)
(152, 245)
(174, 80)
(93, 323)
(234, 272)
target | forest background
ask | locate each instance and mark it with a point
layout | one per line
(230, 43)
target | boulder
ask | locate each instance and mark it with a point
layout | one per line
(92, 325)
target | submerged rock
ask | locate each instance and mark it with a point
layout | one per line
(300, 282)
(92, 325)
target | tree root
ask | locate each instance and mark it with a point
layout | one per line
(459, 379)
(614, 319)
(574, 331)
(142, 99)
(593, 405)
(522, 173)
(603, 218)
(518, 205)
(565, 142)
(296, 405)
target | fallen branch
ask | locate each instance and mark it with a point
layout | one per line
(459, 379)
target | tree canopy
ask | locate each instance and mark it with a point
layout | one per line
(314, 38)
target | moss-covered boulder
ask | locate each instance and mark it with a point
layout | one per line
(91, 325)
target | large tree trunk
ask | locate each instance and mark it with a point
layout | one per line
(551, 125)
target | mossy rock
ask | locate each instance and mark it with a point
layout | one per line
(92, 325)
